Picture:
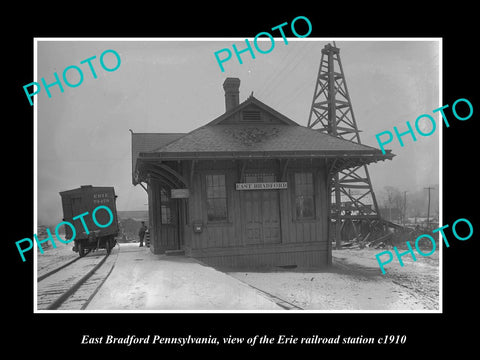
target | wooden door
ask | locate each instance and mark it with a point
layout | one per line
(262, 216)
(270, 216)
(253, 216)
(169, 222)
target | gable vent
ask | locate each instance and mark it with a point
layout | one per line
(251, 116)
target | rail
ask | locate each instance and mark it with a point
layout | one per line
(59, 286)
(44, 276)
(61, 299)
(280, 302)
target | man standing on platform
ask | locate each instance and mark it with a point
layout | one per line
(141, 232)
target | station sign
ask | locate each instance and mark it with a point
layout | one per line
(261, 186)
(180, 194)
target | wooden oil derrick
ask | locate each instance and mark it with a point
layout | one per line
(354, 206)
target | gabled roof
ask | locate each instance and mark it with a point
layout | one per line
(270, 134)
(267, 134)
(258, 138)
(144, 142)
(255, 102)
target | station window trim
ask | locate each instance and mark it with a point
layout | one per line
(216, 194)
(303, 189)
(165, 207)
(252, 176)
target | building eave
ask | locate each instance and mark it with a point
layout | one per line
(215, 155)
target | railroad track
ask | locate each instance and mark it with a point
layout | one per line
(73, 285)
(280, 302)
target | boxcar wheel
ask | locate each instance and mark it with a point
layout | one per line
(108, 246)
(81, 249)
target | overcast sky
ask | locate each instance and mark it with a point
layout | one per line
(176, 86)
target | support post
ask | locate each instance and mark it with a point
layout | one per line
(143, 186)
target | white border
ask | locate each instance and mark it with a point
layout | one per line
(35, 179)
(286, 312)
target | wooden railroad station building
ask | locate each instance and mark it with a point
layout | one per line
(249, 189)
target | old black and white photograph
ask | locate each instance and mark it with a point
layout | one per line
(263, 187)
(217, 178)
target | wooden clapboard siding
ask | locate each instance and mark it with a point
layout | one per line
(195, 208)
(292, 230)
(214, 234)
(260, 249)
(301, 242)
(162, 236)
(300, 231)
(239, 217)
(272, 258)
(154, 216)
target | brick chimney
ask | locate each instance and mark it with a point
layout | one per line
(232, 93)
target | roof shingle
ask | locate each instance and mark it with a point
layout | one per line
(266, 138)
(145, 142)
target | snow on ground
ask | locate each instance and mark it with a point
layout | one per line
(144, 281)
(420, 278)
(141, 280)
(54, 257)
(355, 282)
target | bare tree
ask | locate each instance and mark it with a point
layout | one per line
(393, 200)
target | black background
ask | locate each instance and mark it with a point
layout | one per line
(60, 334)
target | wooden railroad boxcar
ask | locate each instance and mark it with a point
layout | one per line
(85, 199)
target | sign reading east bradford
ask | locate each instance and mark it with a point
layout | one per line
(261, 186)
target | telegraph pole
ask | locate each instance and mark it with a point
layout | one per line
(404, 206)
(428, 209)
